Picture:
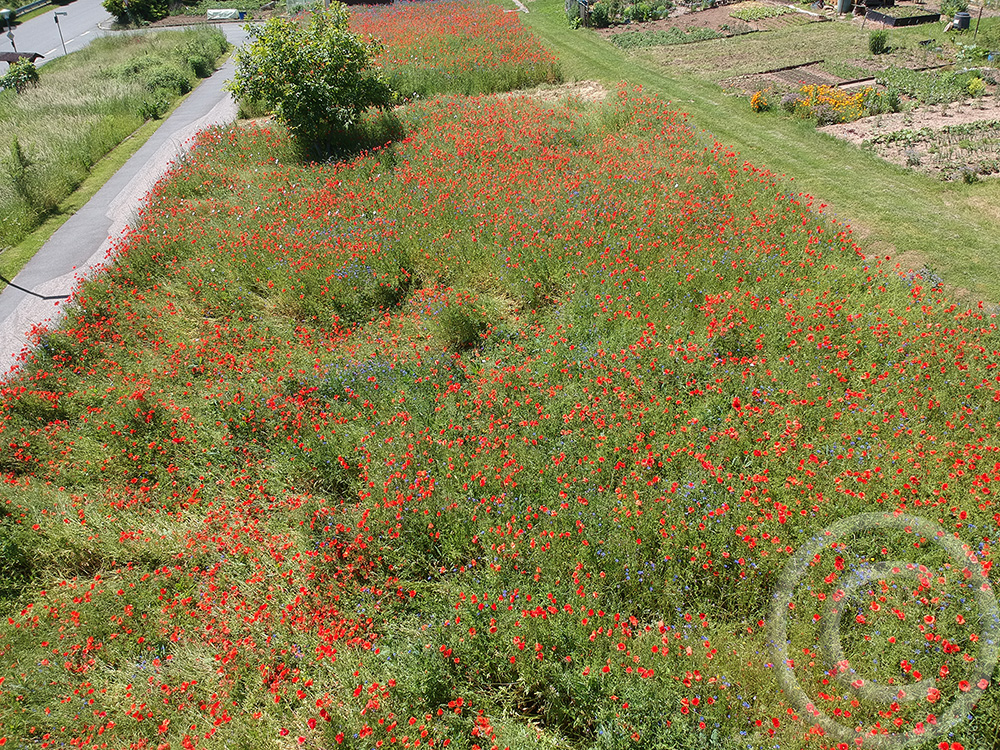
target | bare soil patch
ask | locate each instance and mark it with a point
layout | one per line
(717, 19)
(922, 141)
(792, 78)
(588, 91)
(960, 113)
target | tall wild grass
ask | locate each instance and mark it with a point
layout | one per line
(85, 104)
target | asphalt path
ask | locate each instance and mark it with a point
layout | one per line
(80, 25)
(81, 246)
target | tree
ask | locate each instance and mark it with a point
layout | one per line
(136, 12)
(317, 78)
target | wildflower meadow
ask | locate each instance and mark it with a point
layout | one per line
(455, 46)
(540, 426)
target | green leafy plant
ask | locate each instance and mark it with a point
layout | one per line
(662, 9)
(136, 12)
(642, 11)
(153, 108)
(878, 42)
(573, 15)
(969, 176)
(928, 87)
(951, 7)
(598, 16)
(663, 37)
(759, 102)
(317, 78)
(757, 12)
(21, 76)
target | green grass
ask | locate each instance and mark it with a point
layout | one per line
(915, 219)
(87, 103)
(488, 435)
(724, 58)
(662, 37)
(756, 12)
(37, 12)
(15, 258)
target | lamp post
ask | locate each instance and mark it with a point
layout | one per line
(56, 15)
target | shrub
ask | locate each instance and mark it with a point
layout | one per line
(977, 86)
(573, 14)
(154, 108)
(200, 64)
(317, 78)
(598, 17)
(136, 12)
(21, 75)
(642, 12)
(165, 76)
(878, 42)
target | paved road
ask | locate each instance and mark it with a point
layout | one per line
(80, 246)
(79, 26)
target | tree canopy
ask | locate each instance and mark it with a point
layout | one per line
(317, 77)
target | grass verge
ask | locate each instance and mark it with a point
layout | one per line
(83, 106)
(15, 258)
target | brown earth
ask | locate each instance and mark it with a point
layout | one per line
(958, 113)
(588, 91)
(717, 18)
(934, 153)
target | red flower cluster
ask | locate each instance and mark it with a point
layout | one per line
(463, 47)
(514, 423)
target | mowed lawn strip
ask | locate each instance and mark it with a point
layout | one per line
(919, 221)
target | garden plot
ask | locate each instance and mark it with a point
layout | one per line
(786, 78)
(959, 142)
(685, 25)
